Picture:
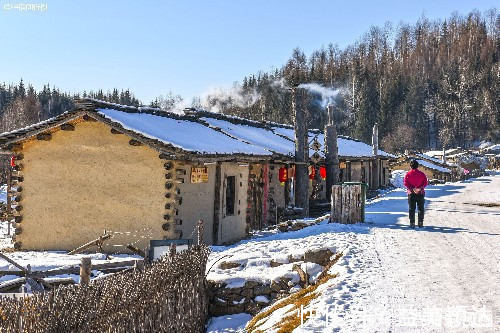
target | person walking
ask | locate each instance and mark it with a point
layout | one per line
(415, 182)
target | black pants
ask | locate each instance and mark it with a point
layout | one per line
(415, 200)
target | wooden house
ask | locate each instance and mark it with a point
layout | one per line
(143, 173)
(137, 173)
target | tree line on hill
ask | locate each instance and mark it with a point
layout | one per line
(430, 84)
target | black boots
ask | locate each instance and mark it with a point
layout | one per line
(412, 219)
(420, 219)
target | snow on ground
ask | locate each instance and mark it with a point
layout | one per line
(255, 255)
(442, 278)
(228, 324)
(46, 260)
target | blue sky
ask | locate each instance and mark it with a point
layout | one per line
(187, 47)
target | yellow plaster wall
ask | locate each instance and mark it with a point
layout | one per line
(197, 203)
(233, 227)
(85, 181)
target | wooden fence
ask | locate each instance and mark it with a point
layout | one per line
(347, 203)
(168, 295)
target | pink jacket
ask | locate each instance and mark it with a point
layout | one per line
(415, 179)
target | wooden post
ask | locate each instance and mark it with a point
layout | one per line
(217, 203)
(200, 232)
(375, 179)
(331, 154)
(8, 207)
(85, 270)
(299, 102)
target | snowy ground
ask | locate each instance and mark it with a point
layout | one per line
(47, 260)
(443, 278)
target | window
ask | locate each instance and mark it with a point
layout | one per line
(230, 194)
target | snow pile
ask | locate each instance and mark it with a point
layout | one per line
(397, 178)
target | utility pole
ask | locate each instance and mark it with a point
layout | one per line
(331, 154)
(299, 102)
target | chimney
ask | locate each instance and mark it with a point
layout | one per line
(444, 155)
(375, 139)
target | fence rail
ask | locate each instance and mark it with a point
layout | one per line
(168, 295)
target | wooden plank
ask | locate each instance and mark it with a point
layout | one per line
(345, 204)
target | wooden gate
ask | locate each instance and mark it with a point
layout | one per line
(347, 204)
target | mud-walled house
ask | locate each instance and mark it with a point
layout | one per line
(138, 173)
(143, 173)
(357, 162)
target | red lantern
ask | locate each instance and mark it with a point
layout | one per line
(313, 173)
(283, 175)
(13, 161)
(322, 171)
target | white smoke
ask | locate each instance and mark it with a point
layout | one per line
(328, 95)
(219, 99)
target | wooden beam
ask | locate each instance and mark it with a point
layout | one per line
(95, 242)
(4, 257)
(15, 147)
(217, 202)
(137, 251)
(86, 117)
(115, 131)
(67, 127)
(74, 269)
(135, 143)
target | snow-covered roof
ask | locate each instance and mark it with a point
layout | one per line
(434, 153)
(430, 158)
(347, 147)
(200, 131)
(258, 136)
(493, 149)
(433, 166)
(185, 134)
